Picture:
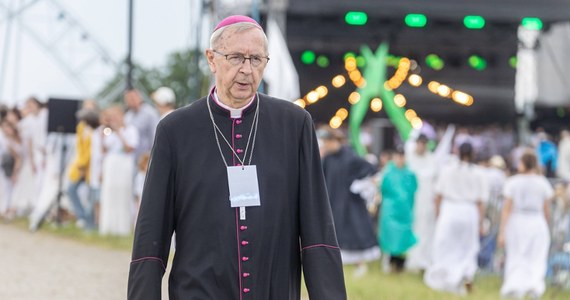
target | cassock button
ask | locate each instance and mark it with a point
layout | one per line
(246, 290)
(239, 151)
(238, 136)
(238, 121)
(244, 243)
(245, 258)
(245, 275)
(239, 165)
(242, 228)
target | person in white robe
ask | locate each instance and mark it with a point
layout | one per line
(563, 170)
(24, 193)
(423, 163)
(96, 167)
(461, 191)
(524, 230)
(12, 151)
(3, 178)
(119, 143)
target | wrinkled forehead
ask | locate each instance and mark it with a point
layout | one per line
(240, 37)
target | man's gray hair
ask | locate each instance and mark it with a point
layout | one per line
(218, 35)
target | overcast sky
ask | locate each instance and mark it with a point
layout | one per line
(160, 27)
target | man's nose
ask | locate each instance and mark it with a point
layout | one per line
(246, 66)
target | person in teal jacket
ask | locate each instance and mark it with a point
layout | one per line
(397, 187)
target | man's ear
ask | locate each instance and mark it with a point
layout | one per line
(210, 57)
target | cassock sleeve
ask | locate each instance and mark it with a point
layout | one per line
(322, 265)
(155, 223)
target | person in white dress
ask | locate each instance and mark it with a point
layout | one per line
(461, 194)
(524, 230)
(563, 170)
(96, 166)
(423, 163)
(119, 143)
(24, 191)
(11, 165)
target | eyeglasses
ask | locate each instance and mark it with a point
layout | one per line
(238, 58)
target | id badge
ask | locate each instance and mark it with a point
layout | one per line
(244, 189)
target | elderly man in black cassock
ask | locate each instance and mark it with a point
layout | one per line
(237, 175)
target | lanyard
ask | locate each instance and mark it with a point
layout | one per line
(252, 132)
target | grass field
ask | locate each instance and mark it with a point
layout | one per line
(373, 286)
(376, 285)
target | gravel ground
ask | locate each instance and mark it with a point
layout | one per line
(39, 266)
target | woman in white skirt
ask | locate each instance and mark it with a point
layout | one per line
(119, 142)
(461, 192)
(524, 230)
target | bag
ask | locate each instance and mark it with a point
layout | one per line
(7, 163)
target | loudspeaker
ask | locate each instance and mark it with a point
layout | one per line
(62, 115)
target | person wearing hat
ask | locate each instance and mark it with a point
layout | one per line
(346, 177)
(237, 176)
(165, 100)
(461, 193)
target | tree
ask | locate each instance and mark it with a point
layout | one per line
(182, 73)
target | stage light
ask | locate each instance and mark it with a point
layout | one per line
(461, 97)
(413, 64)
(322, 91)
(361, 82)
(513, 62)
(410, 114)
(393, 60)
(435, 62)
(350, 64)
(342, 113)
(415, 80)
(477, 62)
(532, 23)
(474, 22)
(376, 105)
(353, 98)
(312, 97)
(432, 86)
(348, 54)
(400, 100)
(415, 20)
(417, 123)
(308, 57)
(323, 61)
(356, 18)
(335, 122)
(443, 90)
(338, 81)
(300, 102)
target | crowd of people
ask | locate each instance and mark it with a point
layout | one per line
(450, 202)
(444, 203)
(104, 172)
(440, 203)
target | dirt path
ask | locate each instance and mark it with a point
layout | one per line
(41, 266)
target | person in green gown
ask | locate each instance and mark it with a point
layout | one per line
(395, 234)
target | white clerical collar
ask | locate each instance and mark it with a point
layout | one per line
(235, 113)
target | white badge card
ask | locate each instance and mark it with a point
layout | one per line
(244, 189)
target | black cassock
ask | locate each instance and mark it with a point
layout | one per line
(353, 223)
(218, 256)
